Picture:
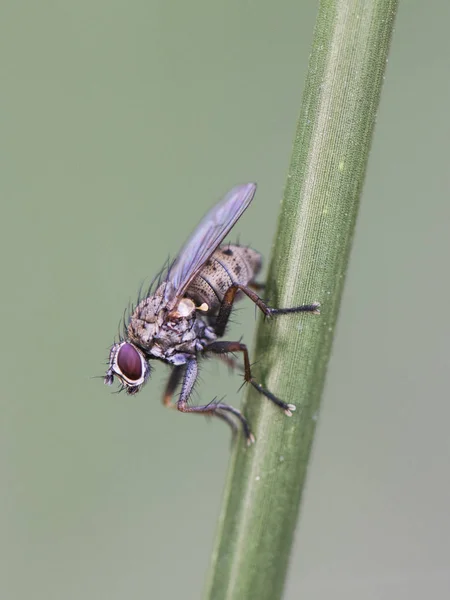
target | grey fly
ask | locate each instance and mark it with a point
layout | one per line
(182, 320)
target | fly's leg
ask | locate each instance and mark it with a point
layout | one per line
(226, 347)
(172, 384)
(216, 409)
(231, 362)
(229, 297)
(234, 428)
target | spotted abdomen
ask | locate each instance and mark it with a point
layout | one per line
(228, 265)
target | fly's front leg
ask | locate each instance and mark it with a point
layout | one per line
(226, 347)
(216, 409)
(172, 384)
(229, 297)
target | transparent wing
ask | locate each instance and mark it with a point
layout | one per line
(206, 238)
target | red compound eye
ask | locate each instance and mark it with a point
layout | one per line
(129, 362)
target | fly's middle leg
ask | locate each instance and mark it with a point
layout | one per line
(230, 295)
(257, 285)
(214, 409)
(232, 347)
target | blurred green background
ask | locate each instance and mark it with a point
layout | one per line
(121, 124)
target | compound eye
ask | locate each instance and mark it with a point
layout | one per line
(129, 362)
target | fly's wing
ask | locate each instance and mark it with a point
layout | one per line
(206, 238)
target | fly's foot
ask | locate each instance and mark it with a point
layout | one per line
(313, 308)
(316, 306)
(250, 439)
(225, 416)
(290, 408)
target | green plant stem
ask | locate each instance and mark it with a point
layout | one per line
(309, 263)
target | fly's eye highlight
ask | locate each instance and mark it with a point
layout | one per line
(129, 362)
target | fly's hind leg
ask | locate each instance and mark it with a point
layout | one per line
(231, 347)
(229, 297)
(214, 409)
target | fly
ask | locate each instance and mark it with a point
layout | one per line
(182, 320)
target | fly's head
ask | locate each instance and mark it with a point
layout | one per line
(128, 363)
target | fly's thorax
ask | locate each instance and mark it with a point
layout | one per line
(147, 319)
(180, 340)
(180, 325)
(228, 265)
